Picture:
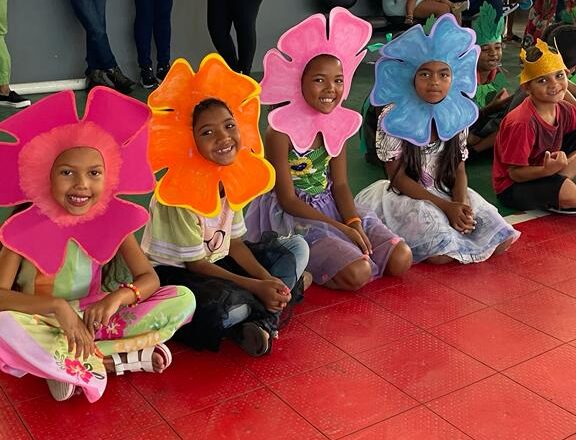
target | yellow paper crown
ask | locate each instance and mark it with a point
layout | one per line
(549, 62)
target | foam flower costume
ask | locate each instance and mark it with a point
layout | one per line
(191, 181)
(43, 132)
(283, 69)
(411, 117)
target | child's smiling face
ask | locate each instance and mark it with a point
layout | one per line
(432, 81)
(323, 83)
(549, 88)
(77, 178)
(490, 57)
(216, 134)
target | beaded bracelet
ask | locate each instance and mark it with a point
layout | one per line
(352, 220)
(136, 291)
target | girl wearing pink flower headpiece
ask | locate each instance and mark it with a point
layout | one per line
(56, 322)
(305, 142)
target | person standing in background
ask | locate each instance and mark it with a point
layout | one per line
(8, 98)
(102, 70)
(153, 18)
(221, 15)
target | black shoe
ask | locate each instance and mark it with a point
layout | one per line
(14, 100)
(121, 83)
(162, 71)
(98, 77)
(147, 78)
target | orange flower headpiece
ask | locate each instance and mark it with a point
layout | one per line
(191, 181)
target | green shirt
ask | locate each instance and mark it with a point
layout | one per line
(309, 170)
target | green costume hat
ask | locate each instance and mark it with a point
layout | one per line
(486, 28)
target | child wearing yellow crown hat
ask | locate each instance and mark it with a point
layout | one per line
(531, 169)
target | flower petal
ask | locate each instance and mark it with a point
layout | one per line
(280, 88)
(305, 38)
(31, 234)
(11, 193)
(389, 72)
(466, 81)
(412, 48)
(447, 33)
(174, 91)
(297, 114)
(247, 116)
(456, 112)
(338, 128)
(135, 174)
(247, 178)
(103, 107)
(193, 185)
(399, 121)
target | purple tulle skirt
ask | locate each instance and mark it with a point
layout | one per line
(330, 250)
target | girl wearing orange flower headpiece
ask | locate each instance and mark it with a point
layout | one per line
(195, 234)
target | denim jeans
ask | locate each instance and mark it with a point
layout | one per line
(92, 16)
(153, 17)
(297, 247)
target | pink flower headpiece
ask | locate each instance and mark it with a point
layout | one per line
(113, 124)
(283, 69)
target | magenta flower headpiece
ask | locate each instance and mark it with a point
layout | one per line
(113, 124)
(283, 68)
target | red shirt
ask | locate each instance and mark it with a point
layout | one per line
(524, 137)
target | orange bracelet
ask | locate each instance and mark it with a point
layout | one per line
(352, 220)
(136, 291)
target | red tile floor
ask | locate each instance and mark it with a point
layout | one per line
(485, 351)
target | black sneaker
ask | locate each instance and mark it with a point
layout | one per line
(121, 83)
(161, 72)
(147, 78)
(14, 100)
(98, 77)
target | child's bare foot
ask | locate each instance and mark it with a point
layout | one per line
(153, 359)
(409, 19)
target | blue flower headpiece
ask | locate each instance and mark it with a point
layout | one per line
(411, 117)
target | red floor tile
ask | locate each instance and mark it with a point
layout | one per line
(11, 426)
(494, 338)
(194, 381)
(3, 399)
(258, 415)
(424, 367)
(552, 375)
(121, 410)
(545, 228)
(564, 245)
(158, 432)
(24, 388)
(568, 287)
(415, 424)
(426, 303)
(297, 350)
(318, 297)
(546, 268)
(358, 325)
(486, 283)
(342, 398)
(547, 310)
(499, 409)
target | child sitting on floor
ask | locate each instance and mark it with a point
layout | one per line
(215, 166)
(491, 96)
(305, 142)
(422, 142)
(532, 168)
(55, 320)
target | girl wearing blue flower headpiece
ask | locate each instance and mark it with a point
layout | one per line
(421, 139)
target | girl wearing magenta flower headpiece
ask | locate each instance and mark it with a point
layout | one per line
(422, 142)
(65, 174)
(305, 143)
